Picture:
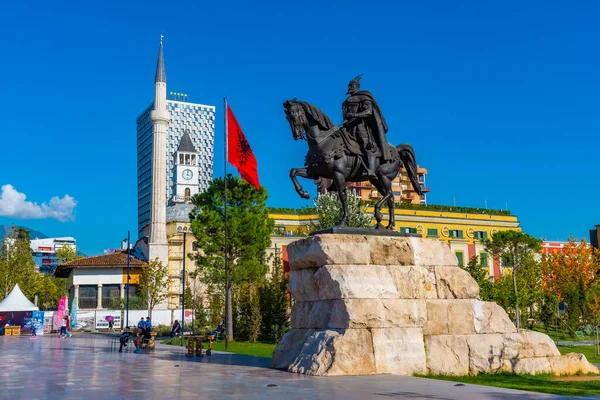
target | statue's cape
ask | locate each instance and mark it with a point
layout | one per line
(379, 128)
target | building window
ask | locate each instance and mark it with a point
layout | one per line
(432, 232)
(481, 235)
(187, 194)
(110, 292)
(88, 297)
(406, 229)
(461, 258)
(195, 246)
(456, 233)
(483, 258)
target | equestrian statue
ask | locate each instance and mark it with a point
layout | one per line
(355, 150)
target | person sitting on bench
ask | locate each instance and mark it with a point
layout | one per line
(176, 331)
(124, 339)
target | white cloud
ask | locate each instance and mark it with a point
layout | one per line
(13, 204)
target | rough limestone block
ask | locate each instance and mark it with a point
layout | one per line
(447, 355)
(571, 364)
(300, 314)
(355, 282)
(491, 318)
(359, 314)
(437, 318)
(431, 252)
(355, 313)
(532, 366)
(485, 353)
(316, 251)
(404, 313)
(289, 347)
(528, 344)
(399, 351)
(296, 287)
(460, 317)
(391, 251)
(449, 317)
(413, 282)
(336, 352)
(309, 285)
(455, 283)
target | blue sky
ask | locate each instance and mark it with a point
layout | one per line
(500, 99)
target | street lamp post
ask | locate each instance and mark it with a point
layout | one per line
(183, 293)
(128, 278)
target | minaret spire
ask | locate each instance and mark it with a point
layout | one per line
(161, 75)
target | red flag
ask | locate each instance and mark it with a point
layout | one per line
(239, 153)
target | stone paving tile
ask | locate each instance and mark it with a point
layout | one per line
(84, 367)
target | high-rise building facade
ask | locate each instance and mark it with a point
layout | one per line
(196, 119)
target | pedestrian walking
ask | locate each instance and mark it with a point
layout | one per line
(34, 324)
(68, 325)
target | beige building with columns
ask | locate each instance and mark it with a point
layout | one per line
(97, 281)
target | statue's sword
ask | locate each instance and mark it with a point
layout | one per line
(330, 132)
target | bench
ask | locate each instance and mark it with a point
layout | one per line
(12, 330)
(148, 344)
(194, 345)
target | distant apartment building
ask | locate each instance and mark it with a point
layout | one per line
(44, 251)
(402, 188)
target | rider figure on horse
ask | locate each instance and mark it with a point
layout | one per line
(364, 122)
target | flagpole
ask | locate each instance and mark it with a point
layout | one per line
(227, 297)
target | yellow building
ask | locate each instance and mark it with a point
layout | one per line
(178, 226)
(462, 228)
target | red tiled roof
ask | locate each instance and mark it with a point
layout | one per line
(116, 259)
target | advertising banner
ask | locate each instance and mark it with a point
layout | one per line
(85, 320)
(37, 322)
(102, 318)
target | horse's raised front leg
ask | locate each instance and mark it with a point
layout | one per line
(302, 172)
(340, 184)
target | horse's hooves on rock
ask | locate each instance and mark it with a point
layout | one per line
(378, 226)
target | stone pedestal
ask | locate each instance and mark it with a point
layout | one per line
(401, 305)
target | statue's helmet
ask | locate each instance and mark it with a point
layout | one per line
(354, 85)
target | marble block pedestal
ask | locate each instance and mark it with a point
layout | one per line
(401, 305)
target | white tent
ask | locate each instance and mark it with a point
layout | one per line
(16, 301)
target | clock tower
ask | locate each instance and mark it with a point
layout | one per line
(186, 171)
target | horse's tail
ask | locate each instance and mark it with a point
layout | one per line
(407, 156)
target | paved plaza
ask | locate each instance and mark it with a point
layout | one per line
(85, 367)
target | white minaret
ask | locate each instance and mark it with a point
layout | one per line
(160, 120)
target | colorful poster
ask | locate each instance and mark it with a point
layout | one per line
(37, 318)
(16, 318)
(60, 313)
(74, 313)
(86, 320)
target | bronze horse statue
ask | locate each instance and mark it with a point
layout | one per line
(332, 155)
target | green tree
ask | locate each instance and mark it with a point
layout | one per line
(154, 284)
(329, 210)
(67, 253)
(513, 246)
(248, 314)
(479, 272)
(17, 265)
(548, 310)
(249, 231)
(274, 302)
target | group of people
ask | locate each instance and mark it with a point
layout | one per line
(144, 330)
(65, 327)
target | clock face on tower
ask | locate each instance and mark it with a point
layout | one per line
(187, 174)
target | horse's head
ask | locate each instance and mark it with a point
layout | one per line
(296, 116)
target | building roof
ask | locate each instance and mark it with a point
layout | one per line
(161, 75)
(16, 301)
(179, 212)
(186, 143)
(116, 259)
